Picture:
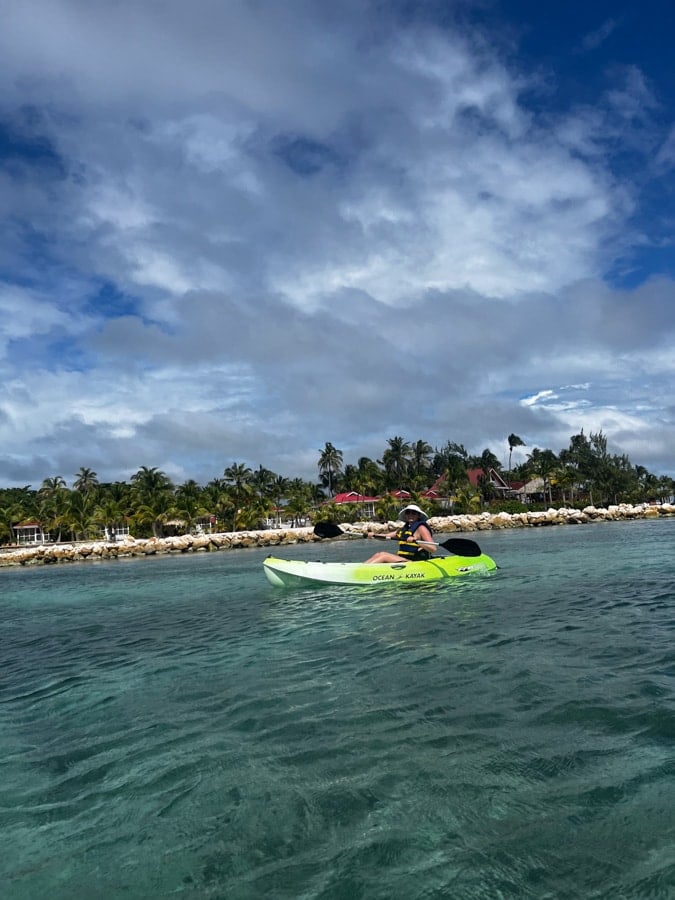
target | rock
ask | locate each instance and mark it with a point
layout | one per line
(129, 546)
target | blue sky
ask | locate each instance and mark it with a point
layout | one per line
(234, 231)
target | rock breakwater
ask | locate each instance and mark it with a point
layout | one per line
(46, 554)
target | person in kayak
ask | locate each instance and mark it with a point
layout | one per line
(415, 540)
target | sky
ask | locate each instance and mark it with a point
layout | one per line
(235, 230)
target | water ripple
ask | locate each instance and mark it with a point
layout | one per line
(177, 727)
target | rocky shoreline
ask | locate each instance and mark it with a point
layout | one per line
(45, 554)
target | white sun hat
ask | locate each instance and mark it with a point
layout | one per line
(414, 508)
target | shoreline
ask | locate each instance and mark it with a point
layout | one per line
(50, 554)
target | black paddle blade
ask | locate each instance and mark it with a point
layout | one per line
(327, 530)
(462, 547)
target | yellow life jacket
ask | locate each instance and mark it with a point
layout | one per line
(407, 548)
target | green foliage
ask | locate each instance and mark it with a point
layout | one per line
(508, 506)
(583, 473)
(330, 466)
(386, 509)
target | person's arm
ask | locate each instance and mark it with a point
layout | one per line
(424, 538)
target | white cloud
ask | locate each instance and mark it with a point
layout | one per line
(594, 39)
(25, 314)
(547, 394)
(666, 153)
(324, 224)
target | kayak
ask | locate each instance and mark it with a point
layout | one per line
(293, 573)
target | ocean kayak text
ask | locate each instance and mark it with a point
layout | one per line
(398, 577)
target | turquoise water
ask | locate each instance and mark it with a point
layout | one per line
(178, 727)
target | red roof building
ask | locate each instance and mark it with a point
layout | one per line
(474, 476)
(400, 494)
(353, 497)
(367, 503)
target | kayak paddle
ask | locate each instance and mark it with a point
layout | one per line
(458, 546)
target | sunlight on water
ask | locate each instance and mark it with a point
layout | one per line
(177, 726)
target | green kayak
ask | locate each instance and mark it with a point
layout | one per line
(292, 573)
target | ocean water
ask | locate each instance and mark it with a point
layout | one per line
(177, 727)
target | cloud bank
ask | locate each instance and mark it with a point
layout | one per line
(237, 231)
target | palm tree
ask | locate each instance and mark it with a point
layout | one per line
(214, 490)
(53, 507)
(255, 512)
(153, 495)
(665, 487)
(53, 513)
(80, 515)
(18, 505)
(565, 478)
(370, 476)
(580, 455)
(189, 490)
(451, 463)
(189, 508)
(297, 508)
(455, 473)
(10, 515)
(149, 481)
(158, 509)
(396, 458)
(544, 464)
(487, 460)
(351, 479)
(452, 456)
(108, 514)
(115, 490)
(238, 478)
(421, 458)
(514, 441)
(262, 480)
(85, 480)
(315, 494)
(386, 509)
(299, 500)
(330, 464)
(467, 499)
(278, 489)
(223, 507)
(50, 486)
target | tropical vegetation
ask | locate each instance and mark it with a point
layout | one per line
(585, 472)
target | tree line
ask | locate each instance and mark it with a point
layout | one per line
(245, 498)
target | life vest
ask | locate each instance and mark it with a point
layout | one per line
(407, 548)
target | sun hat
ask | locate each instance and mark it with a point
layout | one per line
(414, 508)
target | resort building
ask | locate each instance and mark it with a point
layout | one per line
(116, 532)
(366, 504)
(498, 484)
(30, 533)
(438, 492)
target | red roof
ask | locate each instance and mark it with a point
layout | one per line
(353, 497)
(436, 489)
(475, 474)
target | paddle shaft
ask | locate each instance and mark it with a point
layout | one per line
(387, 537)
(358, 536)
(458, 546)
